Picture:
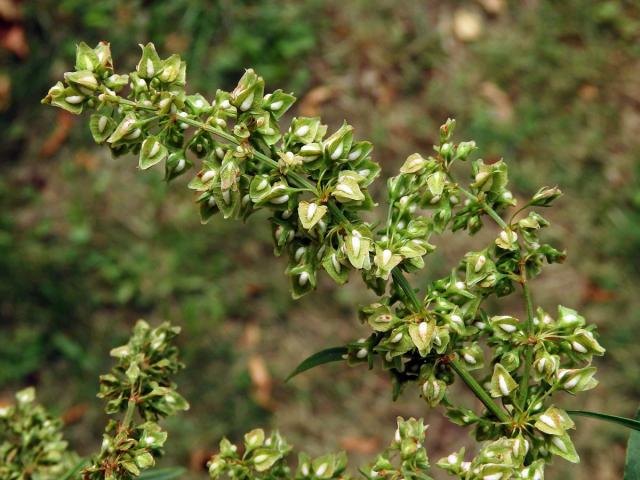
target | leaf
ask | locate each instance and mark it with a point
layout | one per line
(624, 421)
(71, 473)
(163, 474)
(632, 464)
(333, 354)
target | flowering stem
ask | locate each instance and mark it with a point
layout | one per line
(479, 392)
(299, 180)
(528, 354)
(402, 283)
(488, 210)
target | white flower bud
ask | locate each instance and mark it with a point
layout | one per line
(302, 131)
(397, 337)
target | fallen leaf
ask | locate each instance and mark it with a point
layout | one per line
(57, 138)
(261, 380)
(75, 413)
(14, 40)
(5, 91)
(500, 101)
(493, 7)
(467, 24)
(312, 101)
(363, 445)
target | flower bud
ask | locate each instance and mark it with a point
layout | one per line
(414, 163)
(249, 91)
(310, 213)
(465, 149)
(433, 391)
(507, 240)
(553, 421)
(502, 383)
(545, 196)
(254, 439)
(84, 80)
(338, 145)
(583, 341)
(150, 64)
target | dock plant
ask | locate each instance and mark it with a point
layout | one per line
(243, 152)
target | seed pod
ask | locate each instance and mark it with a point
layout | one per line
(249, 91)
(170, 69)
(150, 64)
(151, 153)
(83, 80)
(465, 149)
(422, 335)
(553, 421)
(386, 261)
(414, 163)
(337, 146)
(357, 249)
(310, 213)
(502, 383)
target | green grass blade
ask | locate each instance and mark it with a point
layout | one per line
(163, 474)
(333, 354)
(624, 421)
(71, 474)
(632, 464)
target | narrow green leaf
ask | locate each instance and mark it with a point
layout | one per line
(625, 422)
(333, 354)
(632, 465)
(72, 472)
(163, 474)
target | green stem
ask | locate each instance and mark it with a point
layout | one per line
(402, 283)
(528, 354)
(485, 206)
(131, 409)
(298, 180)
(479, 392)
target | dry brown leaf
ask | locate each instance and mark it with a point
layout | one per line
(198, 459)
(251, 336)
(261, 380)
(86, 160)
(363, 445)
(5, 91)
(312, 101)
(75, 413)
(502, 107)
(10, 10)
(57, 138)
(13, 39)
(467, 24)
(493, 7)
(588, 92)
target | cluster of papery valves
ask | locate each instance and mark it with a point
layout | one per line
(141, 387)
(31, 441)
(266, 458)
(316, 187)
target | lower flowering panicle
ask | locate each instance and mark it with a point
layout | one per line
(140, 386)
(266, 458)
(315, 185)
(31, 441)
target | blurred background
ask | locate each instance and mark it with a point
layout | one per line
(88, 244)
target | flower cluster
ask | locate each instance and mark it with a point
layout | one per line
(266, 459)
(31, 441)
(140, 382)
(315, 185)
